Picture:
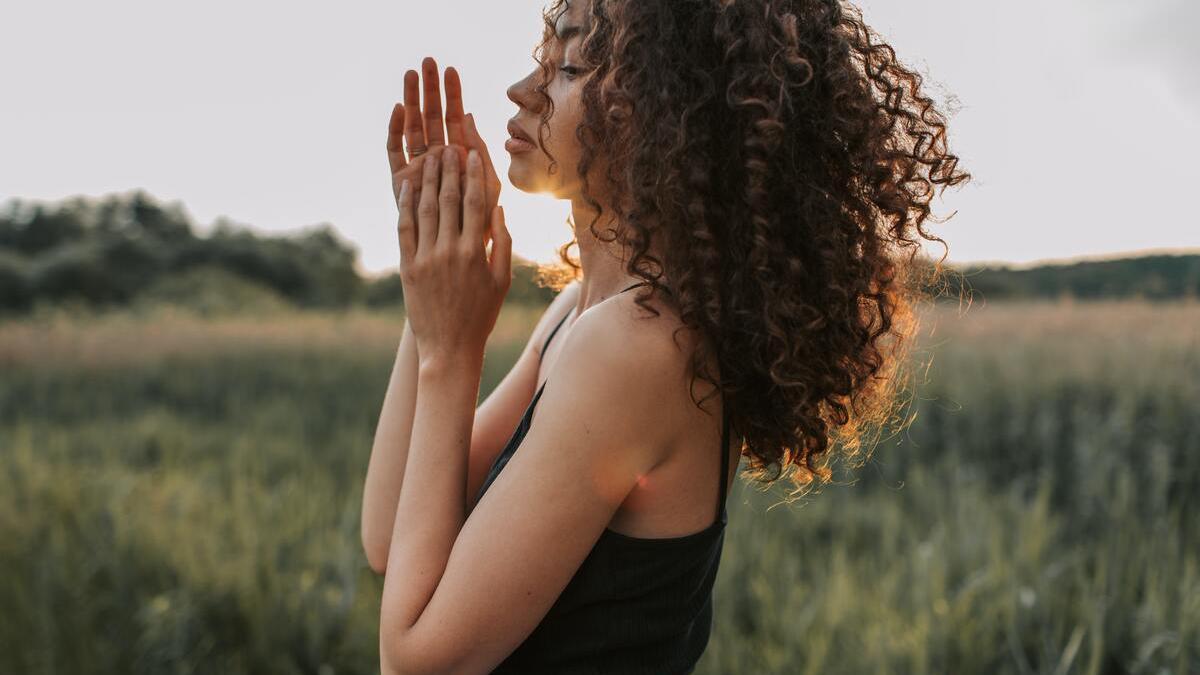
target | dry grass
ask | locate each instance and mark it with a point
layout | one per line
(121, 338)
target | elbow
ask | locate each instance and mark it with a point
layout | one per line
(375, 550)
(391, 663)
(392, 657)
(400, 653)
(377, 562)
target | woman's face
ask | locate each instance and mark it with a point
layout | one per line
(530, 168)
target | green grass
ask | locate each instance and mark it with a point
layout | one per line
(181, 495)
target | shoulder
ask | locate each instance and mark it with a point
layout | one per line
(621, 363)
(652, 336)
(619, 332)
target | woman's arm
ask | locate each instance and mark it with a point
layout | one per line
(461, 593)
(409, 126)
(389, 453)
(495, 420)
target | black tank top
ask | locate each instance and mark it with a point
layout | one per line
(635, 605)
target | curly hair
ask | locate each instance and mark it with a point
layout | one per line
(786, 160)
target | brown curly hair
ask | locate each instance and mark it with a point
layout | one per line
(786, 161)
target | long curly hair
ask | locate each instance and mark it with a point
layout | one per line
(786, 160)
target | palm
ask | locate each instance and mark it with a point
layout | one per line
(413, 127)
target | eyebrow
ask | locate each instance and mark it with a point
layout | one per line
(568, 32)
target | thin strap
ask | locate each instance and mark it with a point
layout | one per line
(564, 318)
(724, 456)
(551, 336)
(643, 283)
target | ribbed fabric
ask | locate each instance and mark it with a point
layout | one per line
(636, 605)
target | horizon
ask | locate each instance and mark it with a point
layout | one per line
(205, 229)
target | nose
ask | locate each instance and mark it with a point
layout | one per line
(522, 92)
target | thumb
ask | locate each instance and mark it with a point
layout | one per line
(501, 262)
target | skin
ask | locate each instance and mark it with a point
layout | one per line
(604, 273)
(411, 125)
(615, 441)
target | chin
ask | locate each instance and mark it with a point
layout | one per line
(520, 177)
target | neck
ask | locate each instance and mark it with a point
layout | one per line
(603, 262)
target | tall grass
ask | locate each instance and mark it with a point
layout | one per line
(181, 495)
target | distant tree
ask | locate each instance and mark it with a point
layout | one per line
(40, 229)
(73, 271)
(1154, 277)
(337, 282)
(169, 224)
(313, 268)
(385, 291)
(15, 292)
(525, 288)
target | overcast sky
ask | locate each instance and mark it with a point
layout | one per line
(1080, 119)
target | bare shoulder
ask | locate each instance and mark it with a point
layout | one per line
(621, 331)
(654, 330)
(634, 366)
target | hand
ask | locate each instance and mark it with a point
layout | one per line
(412, 127)
(452, 290)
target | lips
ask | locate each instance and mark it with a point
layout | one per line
(516, 132)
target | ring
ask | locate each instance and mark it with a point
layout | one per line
(417, 151)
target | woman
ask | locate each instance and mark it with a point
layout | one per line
(758, 168)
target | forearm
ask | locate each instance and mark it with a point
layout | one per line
(431, 507)
(389, 453)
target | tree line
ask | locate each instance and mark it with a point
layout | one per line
(109, 251)
(112, 250)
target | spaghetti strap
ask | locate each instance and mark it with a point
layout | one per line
(643, 283)
(551, 336)
(564, 319)
(724, 459)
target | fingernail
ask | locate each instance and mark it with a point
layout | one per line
(473, 157)
(448, 154)
(404, 188)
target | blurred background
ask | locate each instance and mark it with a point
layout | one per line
(199, 313)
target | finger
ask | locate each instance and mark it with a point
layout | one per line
(491, 179)
(414, 127)
(476, 143)
(449, 199)
(474, 200)
(454, 108)
(501, 261)
(406, 227)
(395, 141)
(433, 103)
(427, 206)
(415, 174)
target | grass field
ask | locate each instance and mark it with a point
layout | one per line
(181, 495)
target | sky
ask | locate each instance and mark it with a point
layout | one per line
(1079, 119)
